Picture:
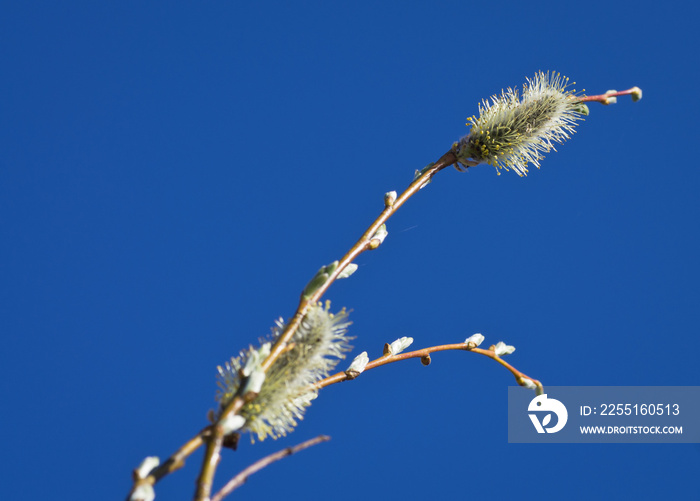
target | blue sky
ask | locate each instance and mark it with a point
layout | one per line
(172, 174)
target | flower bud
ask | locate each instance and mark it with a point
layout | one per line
(502, 348)
(474, 339)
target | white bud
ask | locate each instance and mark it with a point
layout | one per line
(399, 345)
(610, 99)
(380, 234)
(147, 466)
(389, 198)
(475, 339)
(231, 423)
(359, 363)
(503, 349)
(527, 383)
(348, 270)
(255, 358)
(255, 381)
(143, 492)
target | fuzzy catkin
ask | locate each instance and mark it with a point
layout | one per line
(512, 132)
(315, 349)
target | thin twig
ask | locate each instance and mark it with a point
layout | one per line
(635, 92)
(242, 477)
(520, 377)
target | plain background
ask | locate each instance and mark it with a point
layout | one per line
(173, 173)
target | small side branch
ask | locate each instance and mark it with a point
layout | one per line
(242, 477)
(424, 355)
(611, 96)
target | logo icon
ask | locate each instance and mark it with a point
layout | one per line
(543, 404)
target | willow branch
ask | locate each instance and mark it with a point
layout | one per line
(213, 436)
(521, 378)
(366, 242)
(242, 477)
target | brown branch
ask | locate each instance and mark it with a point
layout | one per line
(363, 244)
(242, 477)
(177, 460)
(366, 242)
(424, 354)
